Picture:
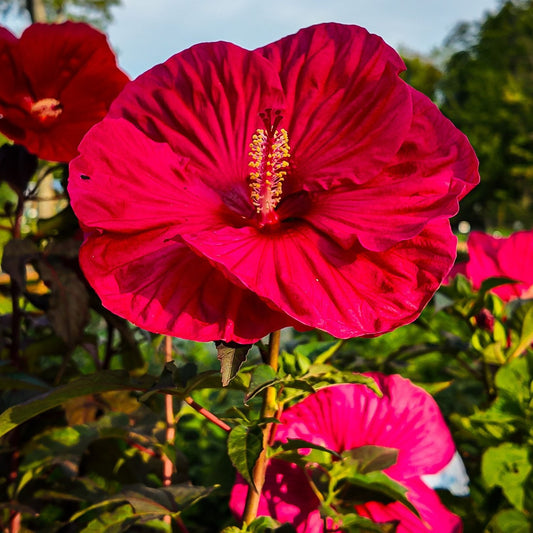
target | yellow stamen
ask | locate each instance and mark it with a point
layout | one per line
(269, 156)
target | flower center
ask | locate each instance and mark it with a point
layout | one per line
(269, 156)
(46, 110)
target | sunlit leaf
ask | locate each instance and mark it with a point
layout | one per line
(508, 467)
(102, 381)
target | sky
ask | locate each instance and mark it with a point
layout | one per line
(145, 33)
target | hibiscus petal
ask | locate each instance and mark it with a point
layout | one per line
(146, 278)
(434, 168)
(124, 182)
(434, 517)
(205, 103)
(347, 110)
(407, 418)
(344, 292)
(509, 257)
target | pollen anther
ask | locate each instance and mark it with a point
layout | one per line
(269, 156)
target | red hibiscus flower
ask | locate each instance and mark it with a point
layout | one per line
(57, 81)
(229, 193)
(509, 257)
(347, 416)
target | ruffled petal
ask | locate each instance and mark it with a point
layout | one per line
(347, 110)
(205, 103)
(509, 257)
(434, 168)
(162, 286)
(434, 517)
(344, 292)
(407, 418)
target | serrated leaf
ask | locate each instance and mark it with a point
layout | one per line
(103, 381)
(244, 447)
(231, 356)
(371, 458)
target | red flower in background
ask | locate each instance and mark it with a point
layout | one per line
(509, 257)
(345, 417)
(57, 81)
(229, 193)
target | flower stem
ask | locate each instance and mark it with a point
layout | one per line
(268, 410)
(208, 414)
(170, 432)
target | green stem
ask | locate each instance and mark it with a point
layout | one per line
(268, 410)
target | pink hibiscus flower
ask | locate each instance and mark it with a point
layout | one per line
(347, 416)
(509, 257)
(57, 81)
(230, 193)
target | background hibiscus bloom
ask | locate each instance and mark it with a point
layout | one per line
(230, 193)
(509, 257)
(347, 416)
(57, 81)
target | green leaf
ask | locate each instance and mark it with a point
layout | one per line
(263, 376)
(371, 458)
(526, 334)
(244, 447)
(359, 488)
(299, 444)
(267, 524)
(360, 524)
(231, 356)
(155, 502)
(509, 521)
(486, 286)
(508, 467)
(103, 381)
(319, 351)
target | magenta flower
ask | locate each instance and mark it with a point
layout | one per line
(229, 193)
(347, 416)
(57, 81)
(509, 257)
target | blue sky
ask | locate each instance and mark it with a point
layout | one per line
(145, 36)
(145, 33)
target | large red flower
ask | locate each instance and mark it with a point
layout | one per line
(57, 81)
(230, 192)
(509, 257)
(347, 416)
